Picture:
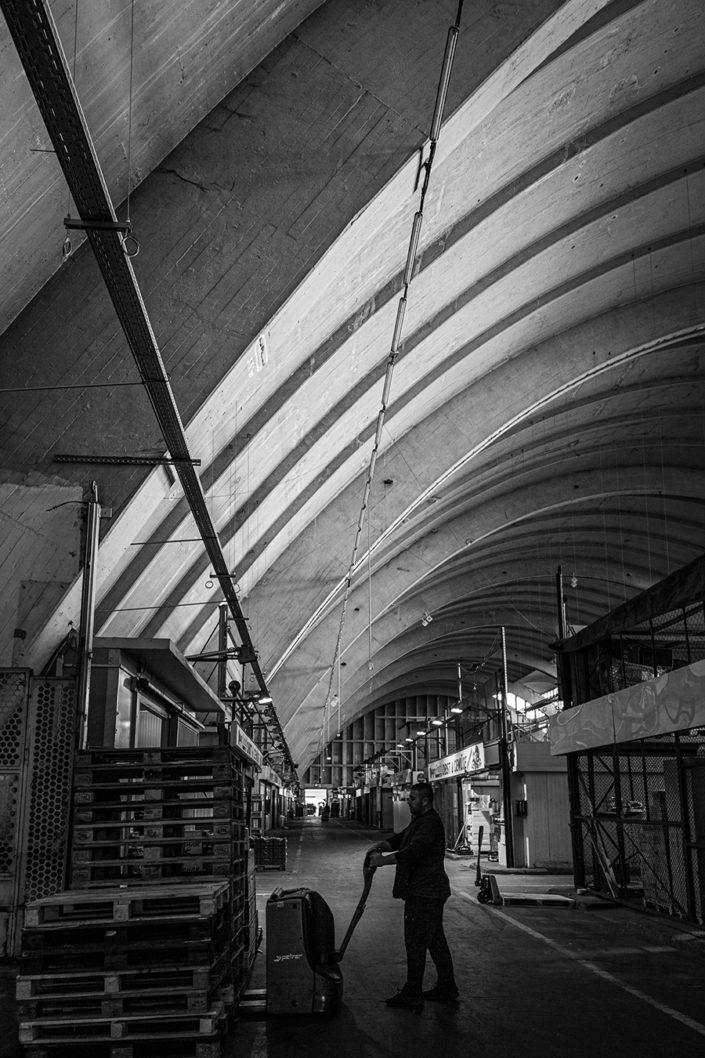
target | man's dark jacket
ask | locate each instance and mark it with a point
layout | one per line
(420, 850)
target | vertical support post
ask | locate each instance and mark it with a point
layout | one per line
(623, 879)
(87, 618)
(222, 648)
(562, 622)
(506, 765)
(576, 822)
(687, 778)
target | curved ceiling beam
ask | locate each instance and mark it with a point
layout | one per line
(554, 338)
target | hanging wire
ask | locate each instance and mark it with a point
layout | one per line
(425, 168)
(67, 247)
(130, 244)
(129, 110)
(369, 599)
(664, 505)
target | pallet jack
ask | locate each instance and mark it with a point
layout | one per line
(303, 964)
(487, 883)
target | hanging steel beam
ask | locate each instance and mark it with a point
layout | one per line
(34, 33)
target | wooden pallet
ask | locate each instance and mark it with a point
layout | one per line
(146, 816)
(181, 1048)
(165, 829)
(123, 796)
(156, 1027)
(146, 755)
(205, 804)
(125, 904)
(134, 934)
(147, 871)
(114, 1005)
(124, 957)
(193, 772)
(103, 981)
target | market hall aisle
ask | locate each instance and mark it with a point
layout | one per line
(534, 980)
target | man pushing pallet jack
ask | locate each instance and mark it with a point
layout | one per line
(303, 965)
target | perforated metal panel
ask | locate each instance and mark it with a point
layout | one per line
(53, 733)
(14, 693)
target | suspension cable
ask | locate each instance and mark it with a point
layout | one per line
(425, 168)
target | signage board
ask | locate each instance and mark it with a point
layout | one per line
(464, 762)
(242, 742)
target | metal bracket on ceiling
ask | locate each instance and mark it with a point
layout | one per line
(98, 225)
(130, 243)
(146, 461)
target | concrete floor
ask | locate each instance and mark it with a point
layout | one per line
(534, 979)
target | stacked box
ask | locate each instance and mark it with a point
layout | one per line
(127, 972)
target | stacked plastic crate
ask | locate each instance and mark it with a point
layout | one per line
(145, 954)
(270, 853)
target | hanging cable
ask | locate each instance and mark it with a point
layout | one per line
(130, 244)
(129, 111)
(369, 600)
(425, 167)
(67, 246)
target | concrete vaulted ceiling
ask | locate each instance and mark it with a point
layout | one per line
(546, 408)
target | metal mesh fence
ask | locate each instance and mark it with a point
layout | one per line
(638, 815)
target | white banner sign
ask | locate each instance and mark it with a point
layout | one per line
(239, 740)
(466, 761)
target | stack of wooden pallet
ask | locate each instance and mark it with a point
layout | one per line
(156, 815)
(149, 950)
(127, 973)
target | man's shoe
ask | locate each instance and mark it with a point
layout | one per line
(443, 995)
(401, 999)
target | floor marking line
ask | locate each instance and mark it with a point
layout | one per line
(690, 1023)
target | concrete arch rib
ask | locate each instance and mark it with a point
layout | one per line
(547, 401)
(277, 500)
(557, 369)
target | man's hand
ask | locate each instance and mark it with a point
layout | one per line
(376, 859)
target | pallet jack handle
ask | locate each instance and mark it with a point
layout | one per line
(367, 874)
(478, 873)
